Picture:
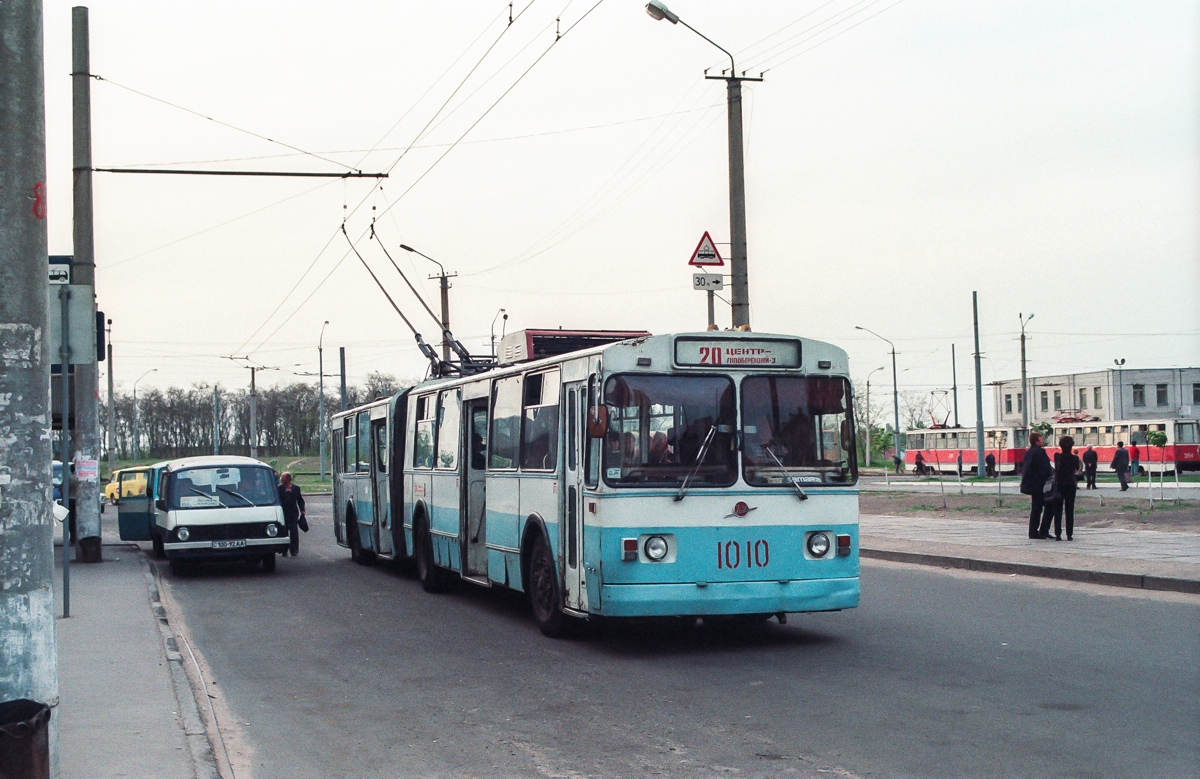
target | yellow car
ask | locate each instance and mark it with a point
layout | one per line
(114, 490)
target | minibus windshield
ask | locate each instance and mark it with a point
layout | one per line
(797, 429)
(657, 426)
(234, 487)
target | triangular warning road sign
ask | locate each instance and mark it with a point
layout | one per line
(706, 253)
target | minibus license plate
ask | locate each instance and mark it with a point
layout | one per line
(235, 544)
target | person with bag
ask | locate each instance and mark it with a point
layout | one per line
(293, 511)
(1066, 467)
(1035, 471)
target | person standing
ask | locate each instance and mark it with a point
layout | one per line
(293, 511)
(898, 463)
(1091, 461)
(989, 463)
(1135, 455)
(1120, 464)
(1066, 466)
(1034, 473)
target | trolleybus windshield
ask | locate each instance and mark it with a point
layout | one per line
(657, 427)
(234, 487)
(797, 427)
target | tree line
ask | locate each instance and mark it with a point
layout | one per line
(183, 422)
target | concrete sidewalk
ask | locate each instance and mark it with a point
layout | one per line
(126, 708)
(1146, 559)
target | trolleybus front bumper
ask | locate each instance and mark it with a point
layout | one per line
(713, 598)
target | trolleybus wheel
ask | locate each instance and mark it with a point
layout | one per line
(433, 578)
(354, 541)
(268, 562)
(543, 591)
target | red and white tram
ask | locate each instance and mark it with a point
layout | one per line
(941, 447)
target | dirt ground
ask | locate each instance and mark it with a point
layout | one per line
(1127, 513)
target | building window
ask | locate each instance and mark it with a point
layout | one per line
(1058, 400)
(1008, 402)
(1020, 402)
(1096, 398)
(1045, 401)
(1196, 393)
(1082, 399)
(1139, 394)
(1160, 394)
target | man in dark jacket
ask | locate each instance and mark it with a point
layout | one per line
(1090, 461)
(293, 510)
(1120, 464)
(1034, 473)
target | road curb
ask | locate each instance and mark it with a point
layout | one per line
(1110, 578)
(200, 746)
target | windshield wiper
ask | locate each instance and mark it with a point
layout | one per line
(787, 473)
(236, 494)
(699, 461)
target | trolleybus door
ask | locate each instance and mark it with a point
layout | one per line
(382, 498)
(574, 587)
(475, 480)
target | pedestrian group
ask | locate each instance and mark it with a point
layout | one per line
(1051, 488)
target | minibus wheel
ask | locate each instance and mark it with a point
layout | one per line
(543, 590)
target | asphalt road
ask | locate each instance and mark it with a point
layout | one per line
(330, 669)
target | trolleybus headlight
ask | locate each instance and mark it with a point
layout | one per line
(272, 530)
(183, 534)
(818, 544)
(655, 548)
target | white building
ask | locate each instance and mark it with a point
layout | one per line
(1113, 394)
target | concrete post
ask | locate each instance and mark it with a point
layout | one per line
(342, 358)
(980, 467)
(27, 629)
(112, 414)
(216, 423)
(321, 406)
(740, 294)
(87, 380)
(253, 416)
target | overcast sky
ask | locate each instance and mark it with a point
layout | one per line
(899, 156)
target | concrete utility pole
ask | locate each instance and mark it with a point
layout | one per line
(216, 422)
(27, 631)
(869, 436)
(321, 395)
(87, 379)
(954, 380)
(253, 415)
(444, 284)
(136, 433)
(111, 435)
(899, 436)
(1023, 398)
(740, 292)
(980, 466)
(342, 359)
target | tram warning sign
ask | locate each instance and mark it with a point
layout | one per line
(706, 253)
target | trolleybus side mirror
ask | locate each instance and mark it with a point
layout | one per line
(161, 504)
(597, 421)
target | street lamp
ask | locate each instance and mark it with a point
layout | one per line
(895, 387)
(136, 452)
(444, 279)
(740, 298)
(321, 394)
(1120, 390)
(493, 329)
(869, 375)
(1024, 398)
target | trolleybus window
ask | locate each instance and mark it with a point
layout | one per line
(448, 415)
(506, 423)
(539, 433)
(364, 440)
(798, 427)
(662, 428)
(423, 447)
(350, 456)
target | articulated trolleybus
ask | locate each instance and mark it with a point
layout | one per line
(707, 474)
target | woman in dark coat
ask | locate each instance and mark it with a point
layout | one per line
(1066, 466)
(293, 510)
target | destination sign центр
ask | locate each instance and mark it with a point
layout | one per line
(774, 353)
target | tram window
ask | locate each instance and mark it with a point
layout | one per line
(1160, 394)
(916, 440)
(1187, 433)
(350, 451)
(1139, 394)
(448, 427)
(539, 432)
(506, 424)
(364, 440)
(423, 446)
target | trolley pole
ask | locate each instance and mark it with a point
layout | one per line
(27, 628)
(87, 413)
(980, 467)
(253, 415)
